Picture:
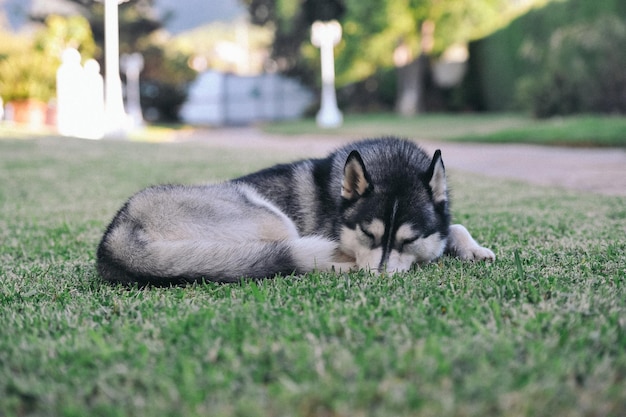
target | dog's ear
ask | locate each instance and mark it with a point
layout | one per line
(437, 178)
(356, 180)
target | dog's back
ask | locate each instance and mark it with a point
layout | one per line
(172, 234)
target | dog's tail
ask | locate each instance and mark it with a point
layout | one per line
(125, 259)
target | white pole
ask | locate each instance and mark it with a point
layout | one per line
(115, 116)
(325, 35)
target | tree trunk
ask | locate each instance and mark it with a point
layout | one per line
(410, 90)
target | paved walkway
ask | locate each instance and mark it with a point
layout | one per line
(601, 171)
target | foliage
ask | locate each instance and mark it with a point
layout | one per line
(137, 20)
(28, 66)
(66, 32)
(291, 21)
(165, 78)
(580, 70)
(376, 93)
(372, 29)
(207, 43)
(166, 68)
(540, 332)
(500, 61)
(27, 75)
(161, 101)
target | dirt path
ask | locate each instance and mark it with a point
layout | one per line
(601, 171)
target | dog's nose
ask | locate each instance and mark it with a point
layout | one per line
(396, 263)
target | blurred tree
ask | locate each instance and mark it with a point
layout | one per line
(138, 20)
(28, 64)
(581, 69)
(166, 74)
(66, 32)
(291, 21)
(556, 59)
(234, 47)
(373, 30)
(407, 34)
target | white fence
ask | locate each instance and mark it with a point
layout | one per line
(225, 99)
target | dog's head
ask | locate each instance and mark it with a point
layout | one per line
(393, 215)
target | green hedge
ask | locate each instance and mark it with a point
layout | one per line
(499, 62)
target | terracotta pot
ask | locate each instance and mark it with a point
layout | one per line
(30, 112)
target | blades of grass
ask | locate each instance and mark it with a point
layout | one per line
(521, 274)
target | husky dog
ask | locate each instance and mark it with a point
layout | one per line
(378, 204)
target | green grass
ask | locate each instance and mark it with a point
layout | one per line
(584, 131)
(589, 131)
(540, 332)
(148, 133)
(423, 127)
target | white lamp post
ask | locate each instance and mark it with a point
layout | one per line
(115, 116)
(325, 35)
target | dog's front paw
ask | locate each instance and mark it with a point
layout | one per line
(462, 245)
(476, 253)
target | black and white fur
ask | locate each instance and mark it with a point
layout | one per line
(379, 204)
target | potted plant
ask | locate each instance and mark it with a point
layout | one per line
(27, 83)
(28, 65)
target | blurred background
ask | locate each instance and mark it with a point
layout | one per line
(235, 62)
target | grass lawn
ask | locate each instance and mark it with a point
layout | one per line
(540, 332)
(592, 131)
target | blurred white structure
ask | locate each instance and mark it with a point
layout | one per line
(325, 35)
(115, 116)
(132, 64)
(69, 92)
(80, 97)
(93, 101)
(450, 69)
(218, 99)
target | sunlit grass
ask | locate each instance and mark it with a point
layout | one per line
(422, 127)
(540, 332)
(147, 133)
(587, 130)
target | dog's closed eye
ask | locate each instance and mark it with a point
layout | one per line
(372, 232)
(406, 242)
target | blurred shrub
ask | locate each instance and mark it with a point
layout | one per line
(581, 69)
(161, 101)
(375, 93)
(164, 81)
(28, 63)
